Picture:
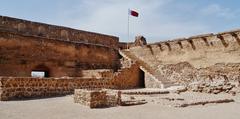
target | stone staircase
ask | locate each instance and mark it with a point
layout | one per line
(126, 54)
(156, 81)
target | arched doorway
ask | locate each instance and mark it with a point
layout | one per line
(40, 71)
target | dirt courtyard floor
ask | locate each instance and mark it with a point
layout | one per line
(64, 108)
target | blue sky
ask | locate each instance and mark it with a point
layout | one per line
(159, 19)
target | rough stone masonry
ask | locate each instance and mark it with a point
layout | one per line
(65, 56)
(97, 98)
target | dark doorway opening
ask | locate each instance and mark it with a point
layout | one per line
(141, 79)
(40, 71)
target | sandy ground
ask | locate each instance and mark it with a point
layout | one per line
(64, 108)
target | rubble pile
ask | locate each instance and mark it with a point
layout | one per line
(214, 87)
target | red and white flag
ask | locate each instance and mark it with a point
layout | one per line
(133, 13)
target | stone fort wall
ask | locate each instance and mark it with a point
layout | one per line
(27, 46)
(200, 51)
(29, 28)
(19, 55)
(203, 57)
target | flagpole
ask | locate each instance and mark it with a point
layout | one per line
(128, 27)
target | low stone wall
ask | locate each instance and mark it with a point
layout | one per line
(18, 88)
(27, 87)
(129, 76)
(97, 98)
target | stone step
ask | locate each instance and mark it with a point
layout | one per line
(133, 102)
(167, 85)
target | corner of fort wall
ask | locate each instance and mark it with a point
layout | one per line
(1, 90)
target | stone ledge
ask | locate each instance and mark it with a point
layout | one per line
(205, 102)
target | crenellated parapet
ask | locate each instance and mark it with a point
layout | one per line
(220, 40)
(29, 28)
